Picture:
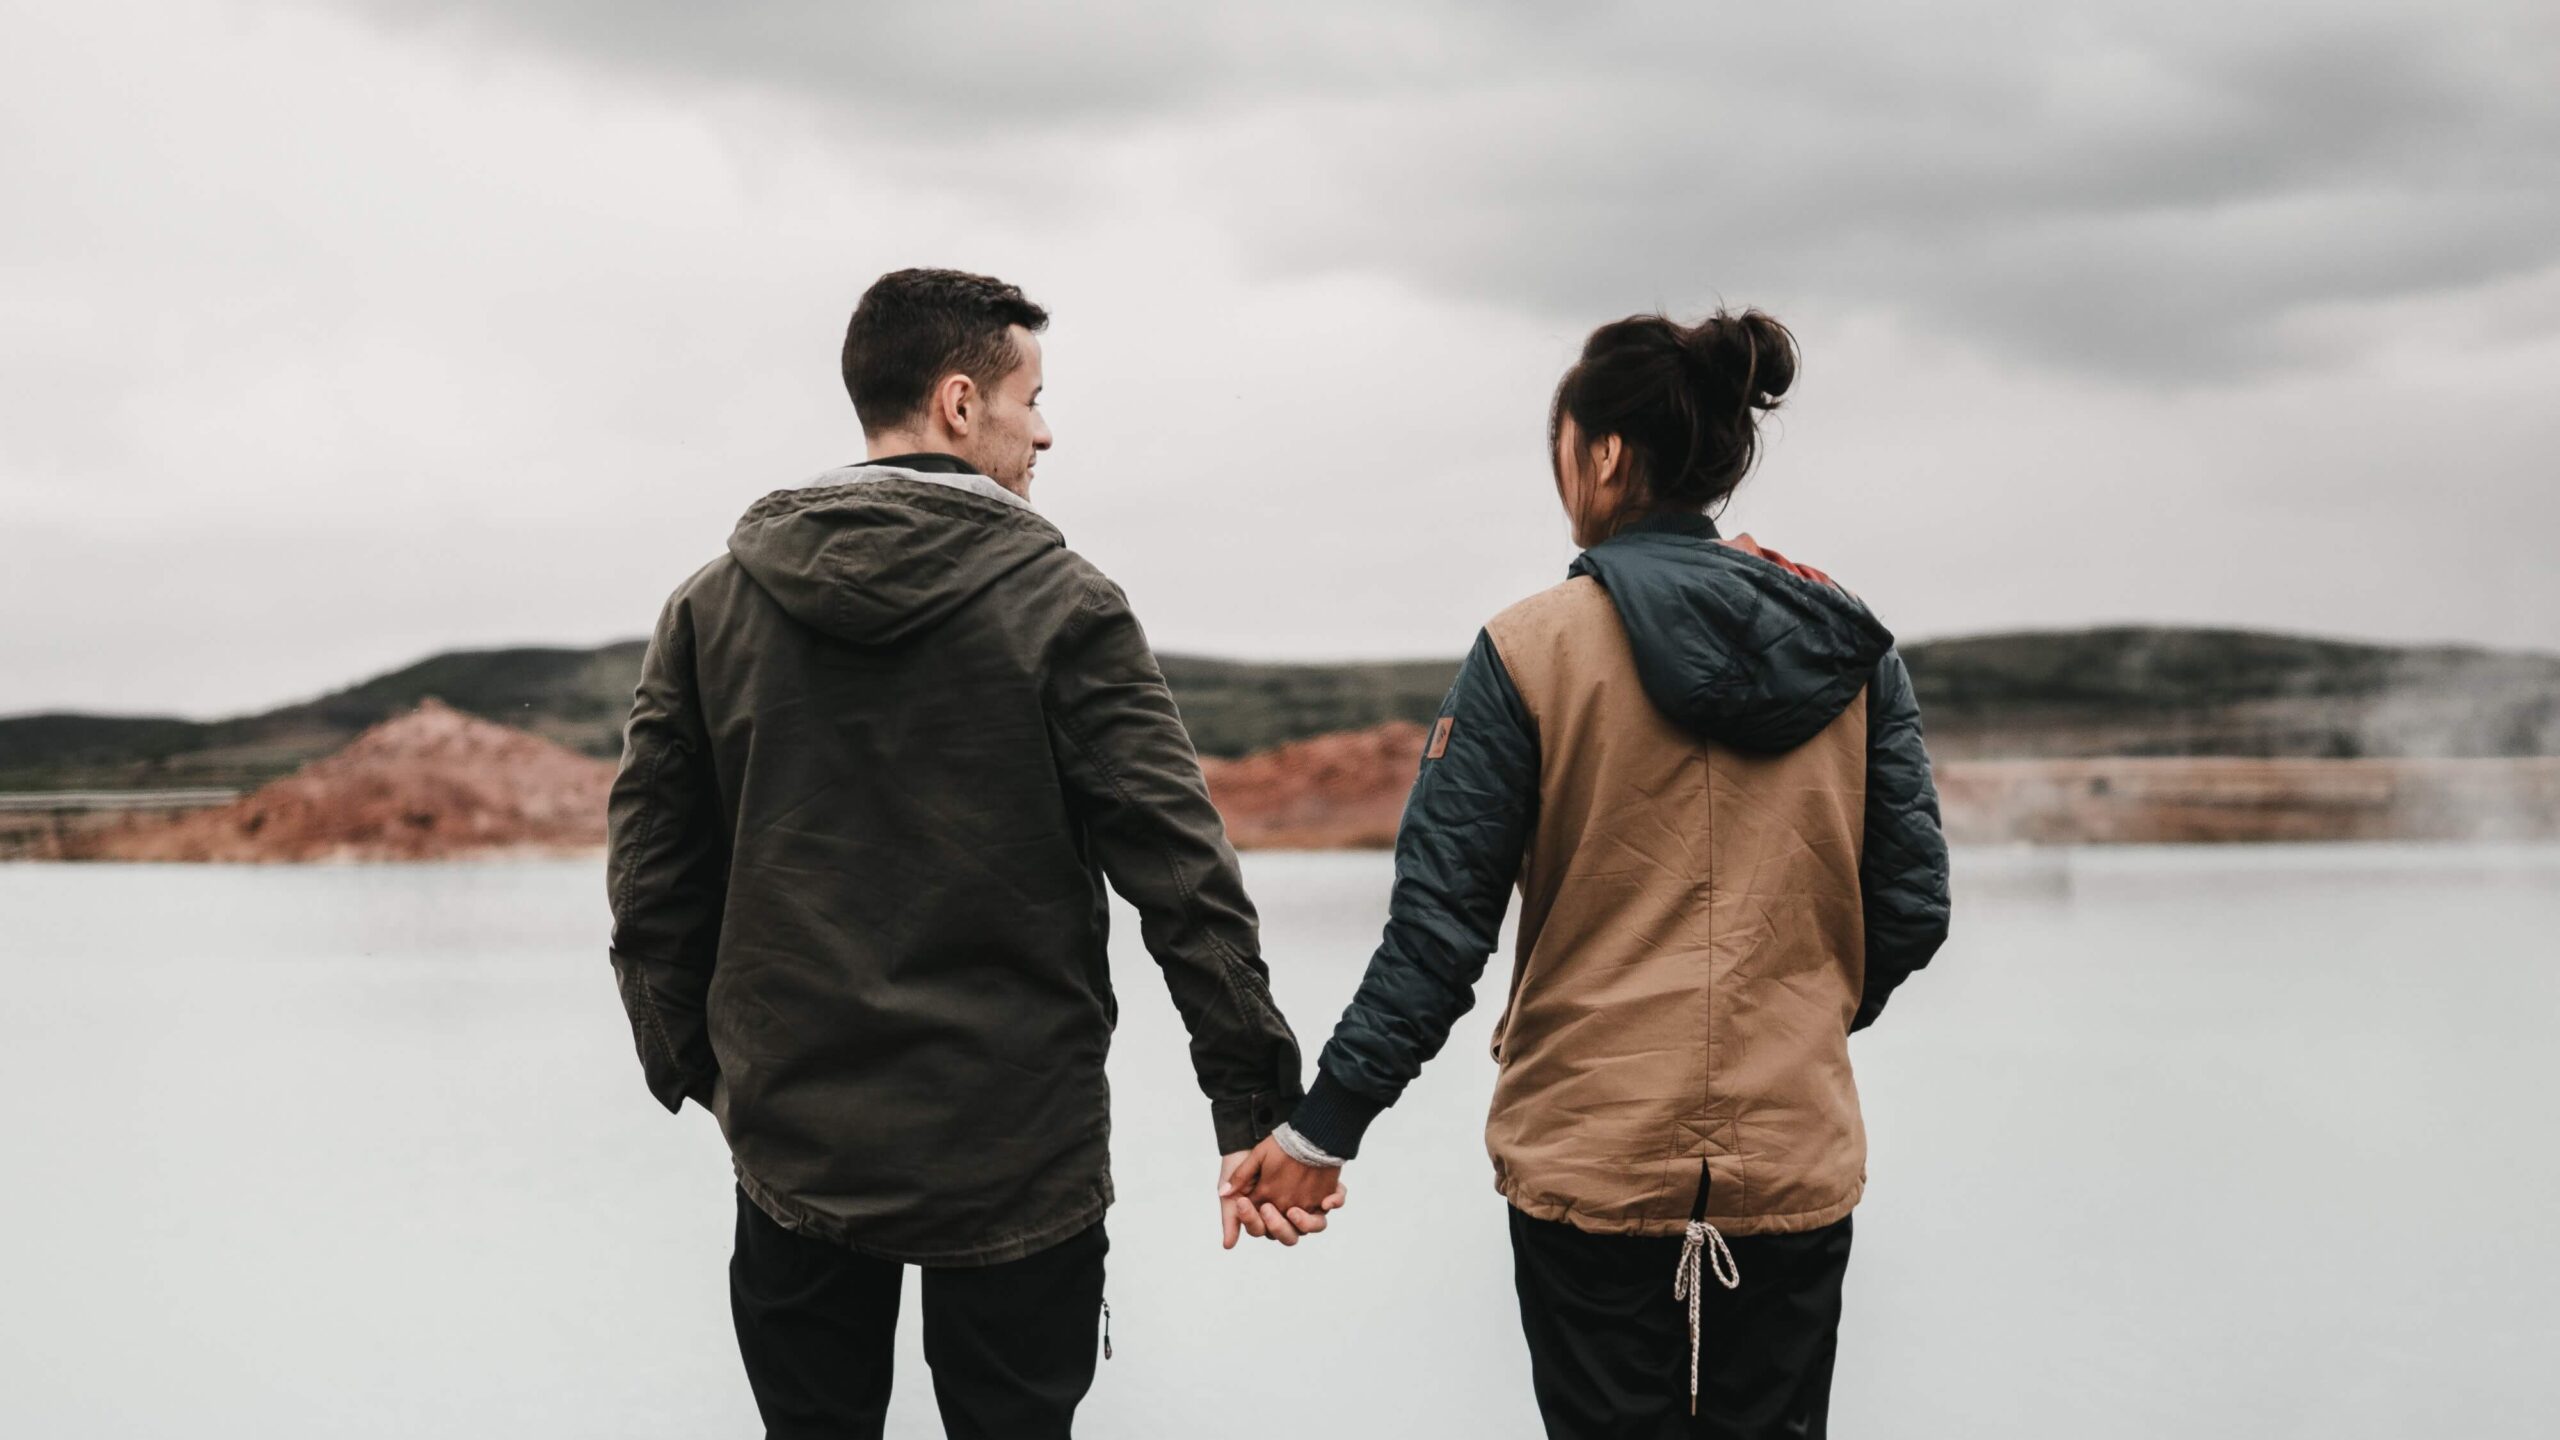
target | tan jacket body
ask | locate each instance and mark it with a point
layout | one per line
(1690, 954)
(1700, 766)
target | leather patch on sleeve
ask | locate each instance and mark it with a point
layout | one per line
(1440, 737)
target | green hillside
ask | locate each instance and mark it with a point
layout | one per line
(2149, 690)
(577, 697)
(2128, 690)
(1235, 707)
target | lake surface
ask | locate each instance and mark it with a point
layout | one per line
(2190, 1142)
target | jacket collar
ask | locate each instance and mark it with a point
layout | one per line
(930, 467)
(929, 462)
(1676, 522)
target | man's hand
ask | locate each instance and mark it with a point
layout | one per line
(1238, 1216)
(1268, 1195)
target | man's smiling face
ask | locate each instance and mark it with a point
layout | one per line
(1007, 432)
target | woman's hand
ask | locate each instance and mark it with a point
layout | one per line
(1266, 1194)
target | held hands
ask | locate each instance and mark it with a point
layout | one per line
(1265, 1194)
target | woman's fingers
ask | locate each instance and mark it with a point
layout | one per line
(1277, 1225)
(1242, 1179)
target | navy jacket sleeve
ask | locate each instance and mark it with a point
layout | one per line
(667, 869)
(1457, 858)
(1902, 870)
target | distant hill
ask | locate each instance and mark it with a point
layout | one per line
(576, 697)
(1237, 707)
(579, 698)
(2120, 691)
(2147, 690)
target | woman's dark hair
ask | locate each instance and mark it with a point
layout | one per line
(1685, 400)
(915, 326)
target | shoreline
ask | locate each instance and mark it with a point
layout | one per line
(1346, 792)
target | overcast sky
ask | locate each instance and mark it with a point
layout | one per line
(337, 334)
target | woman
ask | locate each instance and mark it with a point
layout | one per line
(1701, 764)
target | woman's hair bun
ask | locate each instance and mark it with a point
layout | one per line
(1686, 398)
(1748, 353)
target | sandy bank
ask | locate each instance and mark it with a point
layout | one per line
(1346, 792)
(2172, 800)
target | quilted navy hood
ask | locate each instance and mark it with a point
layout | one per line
(1733, 642)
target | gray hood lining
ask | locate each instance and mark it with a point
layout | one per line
(978, 485)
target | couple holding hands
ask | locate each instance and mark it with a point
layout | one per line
(889, 749)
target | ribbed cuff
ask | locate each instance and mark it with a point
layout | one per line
(1334, 1116)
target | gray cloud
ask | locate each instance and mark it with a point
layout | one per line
(2147, 191)
(344, 334)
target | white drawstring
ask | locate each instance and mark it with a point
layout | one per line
(1705, 1244)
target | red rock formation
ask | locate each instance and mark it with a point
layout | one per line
(1335, 792)
(437, 783)
(428, 785)
(1347, 791)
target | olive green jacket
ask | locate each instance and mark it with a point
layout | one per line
(883, 756)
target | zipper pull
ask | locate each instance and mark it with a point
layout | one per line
(1106, 1327)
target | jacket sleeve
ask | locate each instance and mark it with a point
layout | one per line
(667, 869)
(1902, 868)
(1458, 855)
(1135, 783)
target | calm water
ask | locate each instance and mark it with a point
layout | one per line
(2246, 1143)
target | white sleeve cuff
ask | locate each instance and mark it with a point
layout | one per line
(1299, 1148)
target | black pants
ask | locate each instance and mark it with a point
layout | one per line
(1011, 1345)
(1609, 1346)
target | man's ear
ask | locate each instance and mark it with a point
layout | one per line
(956, 401)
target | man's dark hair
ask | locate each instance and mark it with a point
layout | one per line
(913, 327)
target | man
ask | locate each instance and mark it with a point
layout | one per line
(882, 756)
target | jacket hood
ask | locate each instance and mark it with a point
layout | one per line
(873, 554)
(1733, 642)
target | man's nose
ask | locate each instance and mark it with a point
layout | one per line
(1041, 438)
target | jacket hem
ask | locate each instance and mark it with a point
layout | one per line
(1568, 1212)
(801, 1220)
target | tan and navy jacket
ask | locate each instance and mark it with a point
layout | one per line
(1700, 766)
